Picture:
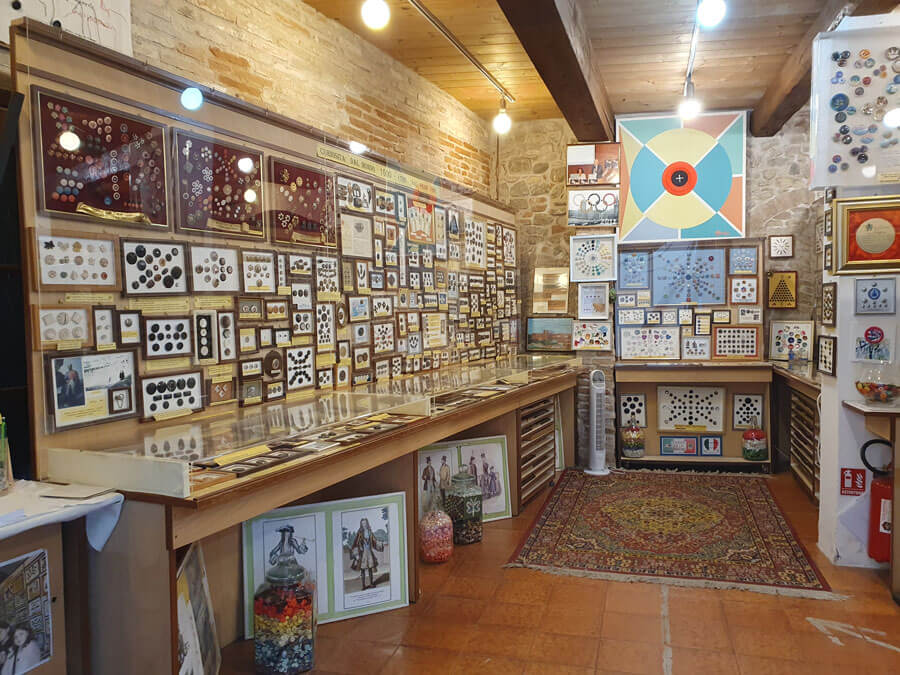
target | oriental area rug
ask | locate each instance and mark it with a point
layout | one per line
(677, 528)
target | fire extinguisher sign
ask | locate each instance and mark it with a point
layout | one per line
(853, 482)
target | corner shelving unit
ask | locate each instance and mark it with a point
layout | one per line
(737, 378)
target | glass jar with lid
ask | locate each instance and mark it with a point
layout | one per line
(464, 506)
(284, 611)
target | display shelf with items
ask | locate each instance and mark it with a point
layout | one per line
(690, 302)
(184, 266)
(537, 448)
(694, 413)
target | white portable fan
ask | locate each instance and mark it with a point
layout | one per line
(597, 457)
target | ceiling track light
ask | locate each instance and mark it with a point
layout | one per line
(502, 122)
(711, 12)
(376, 14)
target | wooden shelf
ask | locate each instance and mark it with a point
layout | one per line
(706, 372)
(661, 459)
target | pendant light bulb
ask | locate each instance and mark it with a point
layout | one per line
(690, 105)
(711, 12)
(502, 122)
(376, 14)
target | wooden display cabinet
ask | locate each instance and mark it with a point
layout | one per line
(736, 378)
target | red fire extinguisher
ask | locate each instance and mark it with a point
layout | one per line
(879, 507)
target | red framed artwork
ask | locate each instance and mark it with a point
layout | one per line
(868, 235)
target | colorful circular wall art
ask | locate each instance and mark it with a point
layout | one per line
(683, 179)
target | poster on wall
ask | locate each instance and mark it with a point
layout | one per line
(106, 22)
(855, 77)
(25, 609)
(683, 179)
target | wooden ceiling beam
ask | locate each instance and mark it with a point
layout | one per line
(553, 34)
(791, 88)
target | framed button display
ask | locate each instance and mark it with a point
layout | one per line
(303, 209)
(74, 261)
(166, 337)
(220, 187)
(154, 268)
(100, 164)
(215, 269)
(167, 395)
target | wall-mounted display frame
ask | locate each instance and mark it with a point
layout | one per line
(592, 257)
(592, 164)
(826, 354)
(867, 235)
(593, 301)
(548, 334)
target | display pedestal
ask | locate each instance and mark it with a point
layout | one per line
(735, 378)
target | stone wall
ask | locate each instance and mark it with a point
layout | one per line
(295, 61)
(532, 181)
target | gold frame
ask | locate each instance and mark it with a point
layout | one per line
(840, 209)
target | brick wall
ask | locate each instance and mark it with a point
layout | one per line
(289, 58)
(532, 181)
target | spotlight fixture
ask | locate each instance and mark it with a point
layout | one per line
(690, 105)
(357, 148)
(711, 12)
(502, 122)
(250, 196)
(245, 164)
(376, 14)
(192, 98)
(68, 140)
(892, 118)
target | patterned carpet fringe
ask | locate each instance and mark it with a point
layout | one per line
(684, 583)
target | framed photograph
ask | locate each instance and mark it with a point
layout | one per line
(826, 354)
(868, 235)
(593, 301)
(549, 334)
(829, 304)
(79, 388)
(877, 295)
(592, 257)
(593, 207)
(550, 293)
(782, 290)
(25, 580)
(678, 445)
(592, 164)
(781, 246)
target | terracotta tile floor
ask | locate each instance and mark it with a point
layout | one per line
(475, 616)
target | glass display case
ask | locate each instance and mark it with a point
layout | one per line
(184, 460)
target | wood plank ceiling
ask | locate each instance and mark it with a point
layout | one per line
(481, 27)
(641, 47)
